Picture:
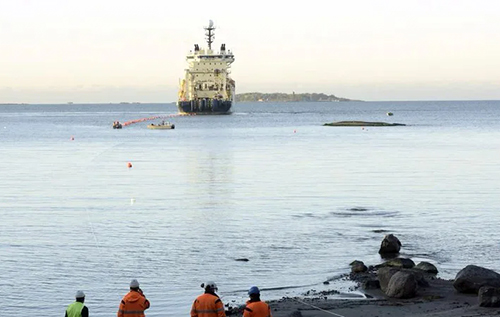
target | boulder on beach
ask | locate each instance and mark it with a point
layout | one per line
(402, 285)
(471, 278)
(390, 245)
(489, 296)
(427, 267)
(384, 275)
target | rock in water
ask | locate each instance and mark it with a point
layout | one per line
(398, 262)
(390, 244)
(471, 278)
(358, 267)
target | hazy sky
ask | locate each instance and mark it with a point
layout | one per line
(130, 50)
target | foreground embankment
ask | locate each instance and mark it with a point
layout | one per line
(398, 287)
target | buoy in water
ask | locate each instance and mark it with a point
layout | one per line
(72, 138)
(129, 165)
(390, 114)
(294, 131)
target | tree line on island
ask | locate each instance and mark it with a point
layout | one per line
(283, 97)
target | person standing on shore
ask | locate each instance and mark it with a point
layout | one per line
(134, 303)
(208, 304)
(255, 307)
(77, 309)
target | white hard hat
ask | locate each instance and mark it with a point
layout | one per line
(134, 283)
(80, 294)
(210, 285)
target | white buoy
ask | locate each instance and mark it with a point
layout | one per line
(132, 201)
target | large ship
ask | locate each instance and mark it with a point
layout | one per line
(207, 87)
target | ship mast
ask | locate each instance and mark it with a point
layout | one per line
(210, 34)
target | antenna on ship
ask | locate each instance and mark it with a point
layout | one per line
(210, 33)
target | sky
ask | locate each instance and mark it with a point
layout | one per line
(58, 51)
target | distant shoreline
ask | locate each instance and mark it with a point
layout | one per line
(284, 97)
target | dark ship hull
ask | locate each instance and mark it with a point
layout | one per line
(205, 106)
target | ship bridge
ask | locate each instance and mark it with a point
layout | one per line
(207, 76)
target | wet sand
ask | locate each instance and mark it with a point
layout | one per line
(438, 300)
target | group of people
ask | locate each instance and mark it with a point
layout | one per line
(208, 304)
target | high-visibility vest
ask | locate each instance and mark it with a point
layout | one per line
(133, 305)
(75, 309)
(257, 309)
(208, 305)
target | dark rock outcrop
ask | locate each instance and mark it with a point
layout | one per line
(402, 285)
(398, 262)
(471, 278)
(489, 296)
(390, 244)
(371, 284)
(427, 267)
(358, 267)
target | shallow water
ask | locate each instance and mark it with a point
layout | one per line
(268, 183)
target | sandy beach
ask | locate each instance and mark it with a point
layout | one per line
(440, 299)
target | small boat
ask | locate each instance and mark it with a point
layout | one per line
(117, 125)
(163, 125)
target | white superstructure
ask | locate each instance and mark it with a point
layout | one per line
(207, 85)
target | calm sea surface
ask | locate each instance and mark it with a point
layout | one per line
(268, 183)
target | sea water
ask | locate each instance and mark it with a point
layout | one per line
(268, 183)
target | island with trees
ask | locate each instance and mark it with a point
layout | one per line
(284, 97)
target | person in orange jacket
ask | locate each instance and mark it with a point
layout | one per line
(255, 307)
(208, 304)
(134, 303)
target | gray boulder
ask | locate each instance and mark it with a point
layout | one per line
(402, 285)
(384, 275)
(489, 296)
(390, 244)
(427, 267)
(471, 278)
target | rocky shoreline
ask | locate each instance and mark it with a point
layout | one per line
(398, 287)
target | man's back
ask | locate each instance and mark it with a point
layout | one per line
(257, 309)
(133, 305)
(77, 309)
(208, 305)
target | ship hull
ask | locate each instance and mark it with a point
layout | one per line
(205, 106)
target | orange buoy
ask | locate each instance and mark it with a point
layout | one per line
(129, 165)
